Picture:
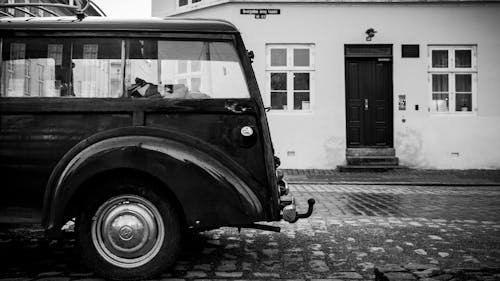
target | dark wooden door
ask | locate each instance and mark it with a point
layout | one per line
(369, 102)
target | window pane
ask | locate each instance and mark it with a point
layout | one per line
(440, 102)
(17, 51)
(463, 102)
(439, 58)
(278, 100)
(90, 51)
(463, 59)
(179, 74)
(183, 82)
(301, 100)
(195, 84)
(15, 63)
(301, 81)
(27, 78)
(278, 81)
(55, 51)
(463, 82)
(196, 1)
(97, 68)
(278, 57)
(183, 2)
(182, 66)
(440, 82)
(195, 66)
(301, 57)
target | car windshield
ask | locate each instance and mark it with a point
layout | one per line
(112, 68)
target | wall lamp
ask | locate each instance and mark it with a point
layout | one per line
(370, 32)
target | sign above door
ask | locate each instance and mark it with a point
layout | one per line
(260, 13)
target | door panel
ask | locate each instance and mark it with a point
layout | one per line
(369, 102)
(382, 95)
(31, 144)
(355, 104)
(355, 135)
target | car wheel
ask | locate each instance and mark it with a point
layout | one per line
(129, 233)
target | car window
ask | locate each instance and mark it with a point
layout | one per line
(102, 68)
(45, 67)
(184, 69)
(96, 68)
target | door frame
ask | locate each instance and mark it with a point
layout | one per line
(372, 51)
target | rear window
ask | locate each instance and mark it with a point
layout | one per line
(115, 68)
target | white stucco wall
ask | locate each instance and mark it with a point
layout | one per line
(162, 8)
(425, 140)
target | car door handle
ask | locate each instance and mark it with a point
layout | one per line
(366, 104)
(236, 108)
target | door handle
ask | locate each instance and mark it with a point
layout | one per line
(236, 108)
(366, 104)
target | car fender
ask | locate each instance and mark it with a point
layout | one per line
(212, 189)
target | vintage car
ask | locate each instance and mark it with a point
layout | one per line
(137, 130)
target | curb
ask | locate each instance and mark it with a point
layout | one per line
(392, 183)
(421, 272)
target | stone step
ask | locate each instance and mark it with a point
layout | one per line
(368, 168)
(372, 160)
(382, 151)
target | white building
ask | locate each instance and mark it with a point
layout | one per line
(426, 82)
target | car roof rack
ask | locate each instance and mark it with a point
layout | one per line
(54, 9)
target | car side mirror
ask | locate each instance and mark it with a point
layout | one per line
(251, 56)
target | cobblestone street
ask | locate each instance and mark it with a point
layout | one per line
(354, 229)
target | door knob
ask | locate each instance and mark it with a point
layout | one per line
(366, 104)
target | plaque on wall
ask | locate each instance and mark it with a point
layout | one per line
(410, 51)
(260, 13)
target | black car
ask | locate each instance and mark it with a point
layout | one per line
(137, 130)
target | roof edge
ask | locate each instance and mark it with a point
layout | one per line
(91, 23)
(206, 19)
(348, 2)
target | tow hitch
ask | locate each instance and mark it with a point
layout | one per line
(290, 210)
(288, 207)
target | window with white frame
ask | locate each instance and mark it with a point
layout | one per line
(290, 76)
(41, 80)
(183, 3)
(15, 66)
(189, 73)
(27, 77)
(453, 79)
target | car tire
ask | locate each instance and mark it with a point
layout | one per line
(129, 232)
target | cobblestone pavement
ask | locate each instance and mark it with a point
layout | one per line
(353, 230)
(457, 202)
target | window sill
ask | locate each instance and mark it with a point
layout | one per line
(460, 114)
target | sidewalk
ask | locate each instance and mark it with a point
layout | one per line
(396, 177)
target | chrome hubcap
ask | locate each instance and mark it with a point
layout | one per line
(127, 231)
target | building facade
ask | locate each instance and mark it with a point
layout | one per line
(419, 77)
